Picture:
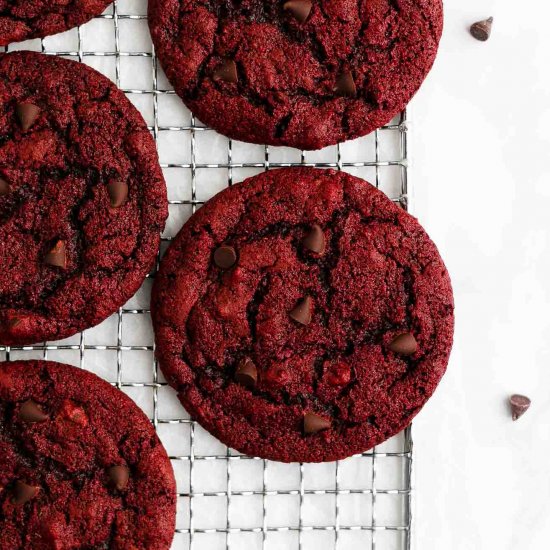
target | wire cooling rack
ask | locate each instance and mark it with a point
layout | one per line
(227, 500)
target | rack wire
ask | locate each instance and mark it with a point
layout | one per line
(227, 500)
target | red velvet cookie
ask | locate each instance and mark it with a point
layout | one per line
(82, 198)
(300, 73)
(23, 19)
(80, 464)
(302, 316)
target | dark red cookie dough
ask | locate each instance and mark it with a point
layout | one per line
(328, 332)
(23, 19)
(80, 464)
(302, 74)
(82, 198)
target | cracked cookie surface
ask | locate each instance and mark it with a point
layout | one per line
(296, 73)
(24, 19)
(82, 198)
(80, 464)
(302, 316)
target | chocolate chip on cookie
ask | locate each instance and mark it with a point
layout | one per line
(246, 373)
(31, 412)
(315, 240)
(314, 423)
(27, 113)
(225, 257)
(404, 344)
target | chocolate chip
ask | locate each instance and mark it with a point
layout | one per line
(315, 240)
(246, 373)
(225, 257)
(57, 256)
(519, 405)
(226, 71)
(302, 312)
(313, 423)
(404, 344)
(4, 187)
(31, 412)
(118, 193)
(22, 492)
(482, 29)
(299, 9)
(345, 85)
(27, 113)
(119, 477)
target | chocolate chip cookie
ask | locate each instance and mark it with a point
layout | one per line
(80, 464)
(303, 316)
(302, 73)
(82, 198)
(24, 19)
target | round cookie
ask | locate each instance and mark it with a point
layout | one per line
(300, 73)
(24, 19)
(80, 464)
(302, 316)
(82, 198)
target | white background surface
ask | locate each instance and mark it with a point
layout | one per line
(481, 188)
(481, 180)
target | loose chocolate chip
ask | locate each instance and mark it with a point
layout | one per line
(4, 187)
(313, 423)
(482, 29)
(404, 344)
(226, 71)
(225, 257)
(315, 240)
(345, 85)
(57, 256)
(302, 312)
(31, 412)
(118, 193)
(119, 477)
(246, 373)
(27, 113)
(519, 405)
(299, 9)
(22, 492)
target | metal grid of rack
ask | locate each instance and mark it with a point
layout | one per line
(227, 500)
